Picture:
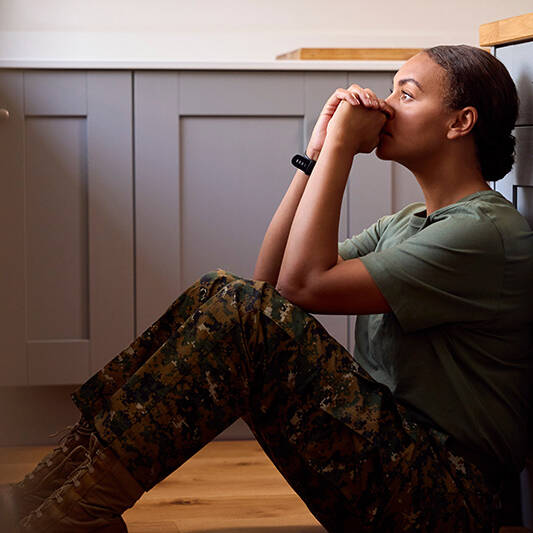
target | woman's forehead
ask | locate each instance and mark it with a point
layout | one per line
(422, 72)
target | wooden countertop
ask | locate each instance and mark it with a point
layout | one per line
(508, 30)
(350, 54)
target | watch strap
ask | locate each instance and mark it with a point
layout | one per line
(303, 163)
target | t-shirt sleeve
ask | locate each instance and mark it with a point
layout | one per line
(450, 271)
(365, 242)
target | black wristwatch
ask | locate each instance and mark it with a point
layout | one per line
(304, 163)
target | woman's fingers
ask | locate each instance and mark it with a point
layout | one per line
(343, 94)
(356, 95)
(369, 98)
(366, 96)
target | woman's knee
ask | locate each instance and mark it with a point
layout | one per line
(220, 275)
(212, 282)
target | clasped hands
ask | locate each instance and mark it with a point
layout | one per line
(352, 119)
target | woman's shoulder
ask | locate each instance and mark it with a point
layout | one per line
(488, 209)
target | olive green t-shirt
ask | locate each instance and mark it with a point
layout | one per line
(458, 345)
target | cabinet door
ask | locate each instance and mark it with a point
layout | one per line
(212, 157)
(67, 228)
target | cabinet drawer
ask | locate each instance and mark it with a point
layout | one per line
(518, 58)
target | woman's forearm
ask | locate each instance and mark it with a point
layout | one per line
(273, 247)
(312, 246)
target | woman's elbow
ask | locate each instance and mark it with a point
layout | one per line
(287, 289)
(296, 293)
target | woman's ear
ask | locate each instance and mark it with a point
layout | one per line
(462, 122)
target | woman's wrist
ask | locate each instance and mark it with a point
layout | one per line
(312, 154)
(340, 147)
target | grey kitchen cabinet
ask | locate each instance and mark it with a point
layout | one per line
(67, 223)
(122, 187)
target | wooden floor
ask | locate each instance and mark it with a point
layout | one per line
(227, 487)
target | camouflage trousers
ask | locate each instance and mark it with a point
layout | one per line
(230, 347)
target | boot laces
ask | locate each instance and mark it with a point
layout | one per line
(61, 446)
(73, 479)
(76, 474)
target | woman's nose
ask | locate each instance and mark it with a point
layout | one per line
(391, 108)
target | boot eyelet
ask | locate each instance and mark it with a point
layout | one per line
(76, 483)
(91, 469)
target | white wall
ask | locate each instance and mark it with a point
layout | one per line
(234, 30)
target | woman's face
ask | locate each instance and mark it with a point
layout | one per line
(418, 129)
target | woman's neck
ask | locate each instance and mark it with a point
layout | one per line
(446, 181)
(437, 197)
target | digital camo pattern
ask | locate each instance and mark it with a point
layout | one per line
(230, 347)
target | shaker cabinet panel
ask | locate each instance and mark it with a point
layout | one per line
(68, 193)
(230, 190)
(56, 228)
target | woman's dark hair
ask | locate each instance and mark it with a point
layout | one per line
(476, 78)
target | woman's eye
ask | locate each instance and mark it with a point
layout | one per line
(403, 92)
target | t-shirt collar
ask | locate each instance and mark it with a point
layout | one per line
(419, 217)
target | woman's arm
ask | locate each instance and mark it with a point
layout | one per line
(271, 253)
(310, 274)
(311, 245)
(270, 256)
(273, 247)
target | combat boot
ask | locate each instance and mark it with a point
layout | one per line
(19, 499)
(92, 499)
